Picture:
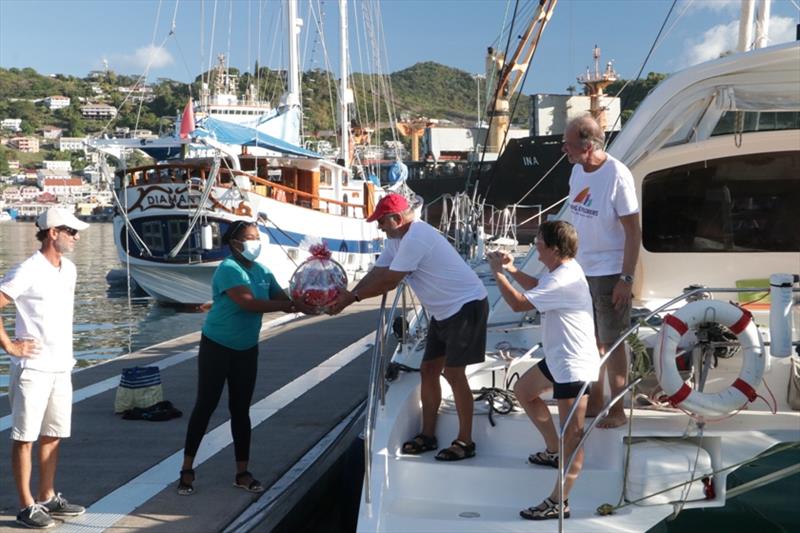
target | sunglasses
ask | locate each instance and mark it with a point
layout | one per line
(69, 231)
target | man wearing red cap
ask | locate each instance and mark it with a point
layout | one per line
(457, 302)
(40, 388)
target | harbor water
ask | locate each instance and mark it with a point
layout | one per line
(107, 323)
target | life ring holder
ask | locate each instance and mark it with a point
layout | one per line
(742, 390)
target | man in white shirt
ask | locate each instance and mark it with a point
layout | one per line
(40, 389)
(457, 301)
(605, 212)
(570, 351)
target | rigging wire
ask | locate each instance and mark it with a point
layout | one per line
(152, 52)
(318, 21)
(646, 59)
(249, 37)
(211, 41)
(515, 104)
(258, 54)
(230, 24)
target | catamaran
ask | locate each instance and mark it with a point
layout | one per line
(714, 152)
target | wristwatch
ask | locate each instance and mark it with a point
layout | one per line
(356, 297)
(627, 278)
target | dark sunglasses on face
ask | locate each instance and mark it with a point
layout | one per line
(69, 231)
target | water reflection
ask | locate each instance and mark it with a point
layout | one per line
(106, 324)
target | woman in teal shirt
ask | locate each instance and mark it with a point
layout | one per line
(242, 291)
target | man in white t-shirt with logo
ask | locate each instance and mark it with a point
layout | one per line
(605, 212)
(570, 359)
(40, 388)
(457, 301)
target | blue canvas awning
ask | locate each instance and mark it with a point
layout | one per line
(229, 133)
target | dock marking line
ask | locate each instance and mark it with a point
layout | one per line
(107, 384)
(116, 505)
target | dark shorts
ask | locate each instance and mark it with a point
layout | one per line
(609, 322)
(562, 391)
(460, 338)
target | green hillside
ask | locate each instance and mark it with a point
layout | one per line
(426, 89)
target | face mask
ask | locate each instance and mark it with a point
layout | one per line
(251, 249)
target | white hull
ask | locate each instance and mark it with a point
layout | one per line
(486, 493)
(186, 279)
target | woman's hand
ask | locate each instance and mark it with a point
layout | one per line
(304, 308)
(499, 261)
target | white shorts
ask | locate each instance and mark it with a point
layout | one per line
(41, 403)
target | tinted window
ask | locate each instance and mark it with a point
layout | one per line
(732, 204)
(756, 121)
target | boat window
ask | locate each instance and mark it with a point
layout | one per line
(757, 121)
(152, 236)
(325, 176)
(745, 203)
(176, 230)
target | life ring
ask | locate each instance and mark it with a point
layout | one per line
(740, 322)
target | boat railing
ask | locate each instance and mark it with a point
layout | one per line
(564, 466)
(380, 359)
(303, 198)
(193, 176)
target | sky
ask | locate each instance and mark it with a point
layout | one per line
(133, 36)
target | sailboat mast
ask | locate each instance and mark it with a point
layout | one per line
(344, 92)
(293, 90)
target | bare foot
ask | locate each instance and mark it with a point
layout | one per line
(612, 421)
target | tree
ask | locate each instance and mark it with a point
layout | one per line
(4, 168)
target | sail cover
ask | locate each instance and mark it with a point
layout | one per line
(229, 133)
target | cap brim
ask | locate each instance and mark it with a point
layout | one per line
(78, 225)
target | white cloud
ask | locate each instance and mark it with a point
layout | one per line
(723, 38)
(139, 60)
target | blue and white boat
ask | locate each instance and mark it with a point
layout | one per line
(171, 216)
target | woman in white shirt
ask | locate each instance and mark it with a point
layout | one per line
(571, 357)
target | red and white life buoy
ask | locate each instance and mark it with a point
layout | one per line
(741, 323)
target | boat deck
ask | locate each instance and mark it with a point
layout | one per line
(312, 376)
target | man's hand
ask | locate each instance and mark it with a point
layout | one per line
(344, 299)
(621, 295)
(25, 348)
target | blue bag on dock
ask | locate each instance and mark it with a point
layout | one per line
(139, 386)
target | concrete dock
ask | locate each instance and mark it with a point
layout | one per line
(312, 375)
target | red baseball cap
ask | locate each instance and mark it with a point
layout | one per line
(389, 205)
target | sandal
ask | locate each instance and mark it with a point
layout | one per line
(419, 444)
(184, 488)
(546, 510)
(254, 485)
(457, 451)
(545, 458)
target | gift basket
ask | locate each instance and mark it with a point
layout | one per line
(319, 279)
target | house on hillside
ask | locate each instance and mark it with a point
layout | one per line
(70, 144)
(24, 144)
(56, 102)
(51, 132)
(11, 194)
(29, 193)
(98, 111)
(11, 124)
(57, 165)
(66, 187)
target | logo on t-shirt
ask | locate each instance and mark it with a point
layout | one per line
(581, 203)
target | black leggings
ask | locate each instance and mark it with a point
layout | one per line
(216, 364)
